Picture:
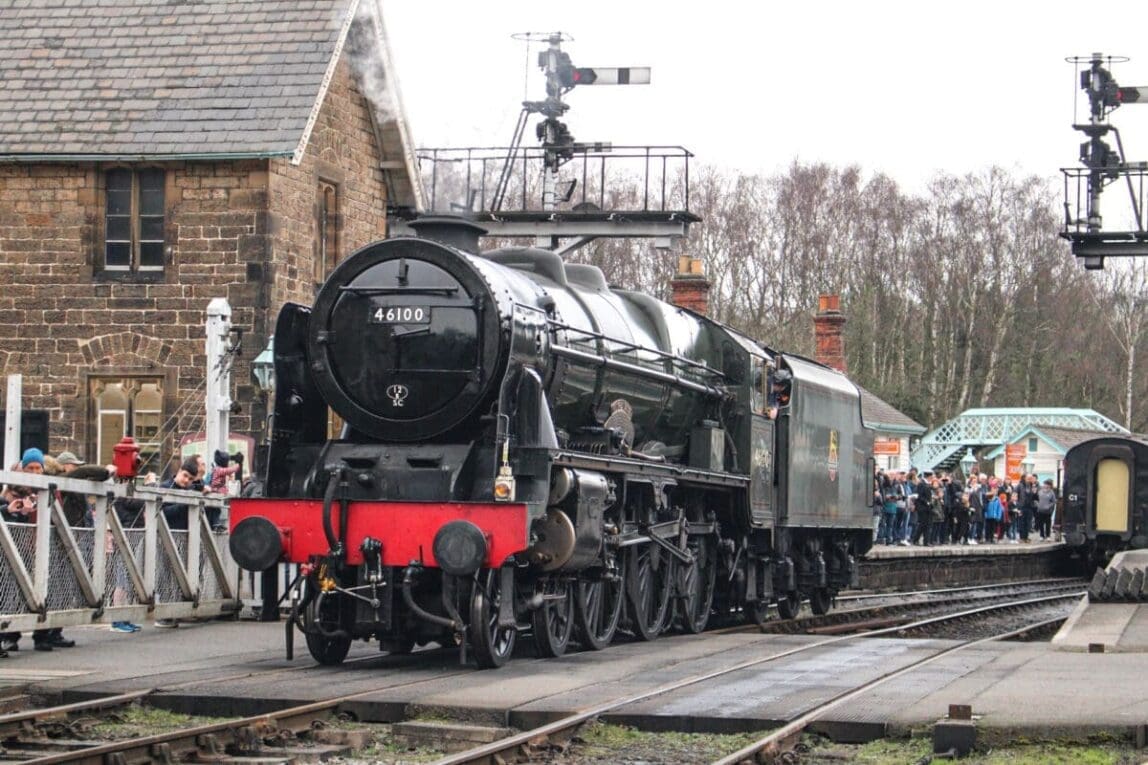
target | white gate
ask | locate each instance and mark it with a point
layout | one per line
(56, 575)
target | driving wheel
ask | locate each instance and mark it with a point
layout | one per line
(553, 621)
(649, 583)
(492, 644)
(788, 606)
(597, 611)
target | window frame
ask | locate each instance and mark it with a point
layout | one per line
(144, 219)
(327, 228)
(133, 386)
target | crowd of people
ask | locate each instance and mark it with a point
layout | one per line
(21, 503)
(927, 508)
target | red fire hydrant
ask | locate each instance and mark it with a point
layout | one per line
(126, 458)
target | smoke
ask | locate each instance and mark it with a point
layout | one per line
(364, 53)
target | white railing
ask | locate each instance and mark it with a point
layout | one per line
(56, 575)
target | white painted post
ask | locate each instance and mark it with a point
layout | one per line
(218, 388)
(13, 410)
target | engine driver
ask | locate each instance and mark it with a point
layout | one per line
(781, 385)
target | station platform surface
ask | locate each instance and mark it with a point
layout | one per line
(1003, 547)
(238, 668)
(1113, 626)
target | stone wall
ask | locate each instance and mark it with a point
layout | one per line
(342, 151)
(63, 321)
(243, 230)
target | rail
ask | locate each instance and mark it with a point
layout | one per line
(594, 177)
(53, 574)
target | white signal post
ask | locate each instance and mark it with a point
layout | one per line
(218, 387)
(561, 77)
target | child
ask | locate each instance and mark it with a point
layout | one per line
(220, 472)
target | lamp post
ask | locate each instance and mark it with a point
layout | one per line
(263, 369)
(263, 375)
(968, 463)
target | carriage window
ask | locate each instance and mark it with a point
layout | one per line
(760, 380)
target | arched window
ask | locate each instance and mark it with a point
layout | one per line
(326, 230)
(124, 406)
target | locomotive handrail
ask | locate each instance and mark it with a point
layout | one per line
(637, 371)
(625, 346)
(398, 290)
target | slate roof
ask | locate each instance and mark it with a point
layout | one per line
(176, 78)
(1060, 438)
(881, 415)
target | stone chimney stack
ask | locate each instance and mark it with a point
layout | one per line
(690, 288)
(828, 327)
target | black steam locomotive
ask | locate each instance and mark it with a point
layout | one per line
(527, 448)
(1105, 489)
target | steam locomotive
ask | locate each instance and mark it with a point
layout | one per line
(1105, 492)
(526, 449)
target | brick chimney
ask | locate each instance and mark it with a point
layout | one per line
(828, 326)
(690, 288)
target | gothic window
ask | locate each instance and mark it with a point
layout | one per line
(326, 230)
(126, 406)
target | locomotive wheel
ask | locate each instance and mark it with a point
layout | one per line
(492, 644)
(758, 611)
(696, 587)
(553, 621)
(649, 584)
(597, 611)
(323, 614)
(788, 606)
(820, 601)
(328, 650)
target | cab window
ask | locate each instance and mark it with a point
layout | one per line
(760, 381)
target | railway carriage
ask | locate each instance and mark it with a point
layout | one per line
(528, 450)
(1105, 490)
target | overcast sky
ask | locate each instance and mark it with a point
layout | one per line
(905, 88)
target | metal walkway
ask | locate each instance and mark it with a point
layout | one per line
(975, 428)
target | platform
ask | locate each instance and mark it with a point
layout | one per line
(885, 552)
(1109, 627)
(913, 567)
(231, 668)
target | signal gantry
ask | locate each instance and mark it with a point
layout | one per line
(1102, 166)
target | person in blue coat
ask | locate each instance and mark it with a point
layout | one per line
(994, 512)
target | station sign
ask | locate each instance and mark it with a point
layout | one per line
(887, 447)
(1014, 460)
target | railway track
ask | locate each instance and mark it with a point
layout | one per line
(507, 749)
(785, 736)
(23, 739)
(245, 735)
(907, 607)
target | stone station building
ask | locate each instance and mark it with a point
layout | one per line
(154, 156)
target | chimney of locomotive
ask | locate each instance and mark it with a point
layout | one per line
(828, 328)
(690, 288)
(449, 230)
